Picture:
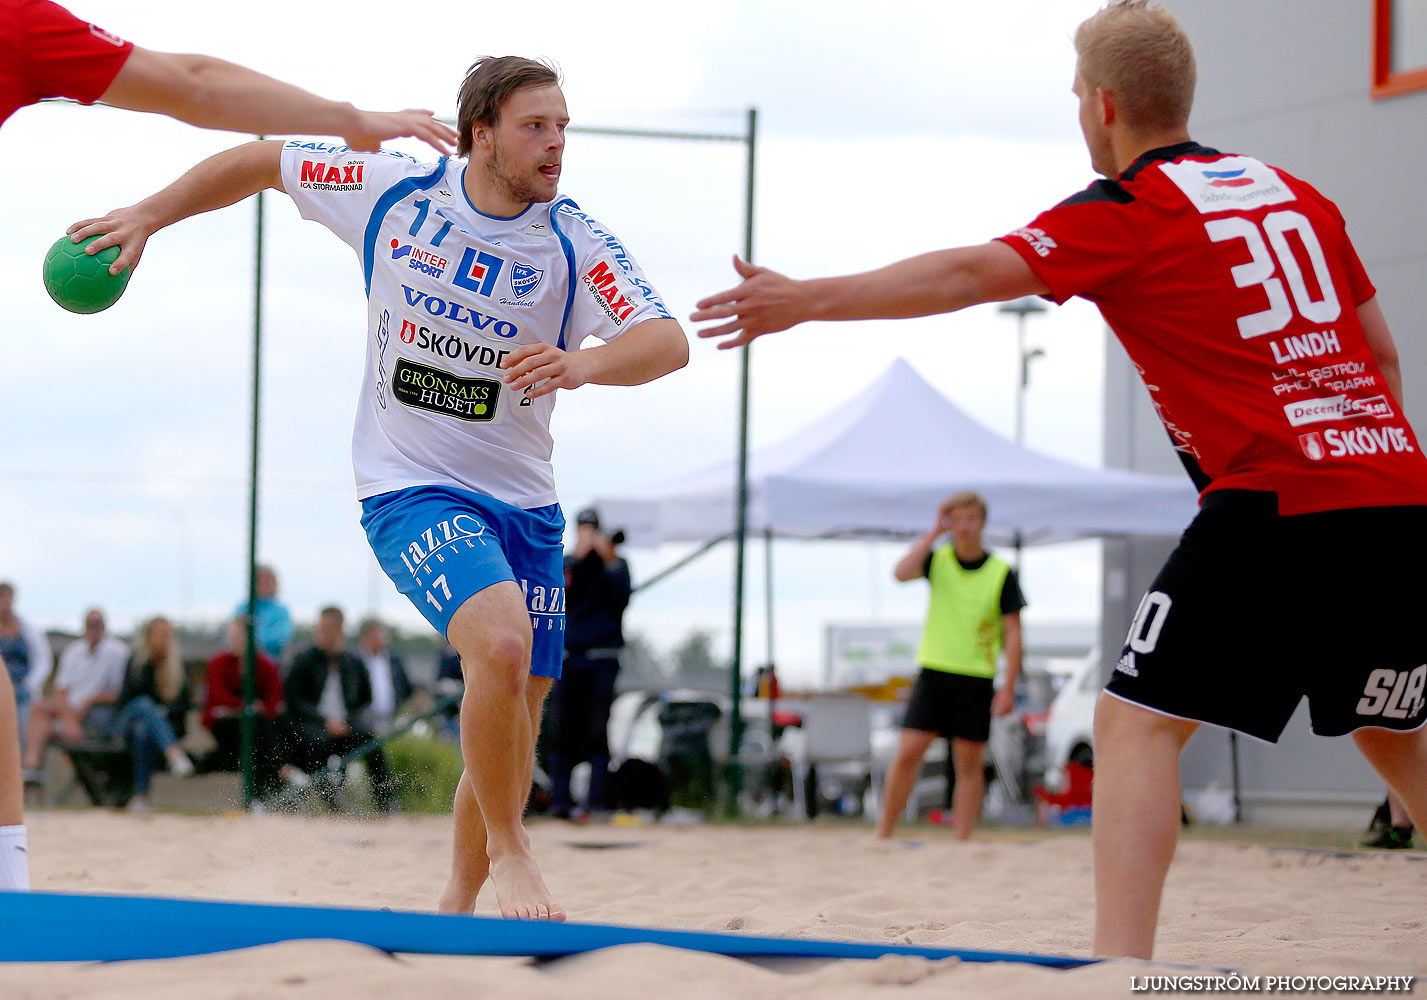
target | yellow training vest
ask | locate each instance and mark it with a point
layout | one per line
(963, 634)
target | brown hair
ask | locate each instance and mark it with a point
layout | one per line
(1141, 54)
(965, 498)
(489, 81)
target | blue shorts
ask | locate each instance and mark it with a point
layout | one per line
(441, 545)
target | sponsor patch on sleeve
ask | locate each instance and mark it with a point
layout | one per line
(1041, 243)
(607, 284)
(344, 176)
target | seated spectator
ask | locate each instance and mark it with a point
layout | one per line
(26, 654)
(390, 684)
(271, 621)
(152, 709)
(327, 690)
(223, 709)
(91, 672)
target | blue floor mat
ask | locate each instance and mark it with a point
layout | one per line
(74, 927)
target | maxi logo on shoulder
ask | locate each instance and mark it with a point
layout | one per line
(425, 388)
(458, 313)
(604, 285)
(343, 178)
(421, 260)
(524, 278)
(478, 271)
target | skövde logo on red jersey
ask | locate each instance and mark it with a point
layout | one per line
(1312, 445)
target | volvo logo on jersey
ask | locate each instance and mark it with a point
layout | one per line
(524, 278)
(458, 313)
(478, 271)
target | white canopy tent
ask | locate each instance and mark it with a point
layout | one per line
(879, 465)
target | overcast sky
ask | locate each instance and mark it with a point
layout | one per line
(123, 482)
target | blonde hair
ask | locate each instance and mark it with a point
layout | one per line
(168, 665)
(1141, 54)
(964, 498)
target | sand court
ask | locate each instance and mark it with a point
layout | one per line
(1256, 908)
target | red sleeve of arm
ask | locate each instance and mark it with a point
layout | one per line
(1085, 243)
(67, 57)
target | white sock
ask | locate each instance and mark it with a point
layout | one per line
(14, 859)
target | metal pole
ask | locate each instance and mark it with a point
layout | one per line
(740, 534)
(1238, 788)
(772, 698)
(1025, 378)
(1021, 402)
(768, 589)
(247, 722)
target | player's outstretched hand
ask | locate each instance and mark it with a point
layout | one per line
(546, 364)
(372, 127)
(125, 228)
(765, 302)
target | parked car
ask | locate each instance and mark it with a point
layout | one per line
(1070, 724)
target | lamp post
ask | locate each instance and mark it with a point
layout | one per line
(1022, 308)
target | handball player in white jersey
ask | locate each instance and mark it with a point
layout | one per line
(482, 283)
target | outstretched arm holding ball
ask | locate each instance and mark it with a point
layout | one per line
(219, 181)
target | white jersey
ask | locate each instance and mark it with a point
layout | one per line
(451, 292)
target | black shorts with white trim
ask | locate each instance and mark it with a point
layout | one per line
(1253, 611)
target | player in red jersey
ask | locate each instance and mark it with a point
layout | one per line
(1236, 292)
(45, 51)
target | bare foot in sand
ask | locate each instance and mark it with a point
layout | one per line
(520, 890)
(459, 896)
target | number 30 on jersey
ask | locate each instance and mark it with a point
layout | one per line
(1261, 270)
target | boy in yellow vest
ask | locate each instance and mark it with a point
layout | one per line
(975, 610)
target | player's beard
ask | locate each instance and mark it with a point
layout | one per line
(507, 181)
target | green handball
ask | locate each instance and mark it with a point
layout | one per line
(82, 283)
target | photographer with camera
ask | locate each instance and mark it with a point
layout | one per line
(596, 593)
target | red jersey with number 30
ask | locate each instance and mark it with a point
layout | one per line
(1234, 288)
(45, 51)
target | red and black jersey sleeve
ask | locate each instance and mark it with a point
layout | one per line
(1086, 243)
(62, 56)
